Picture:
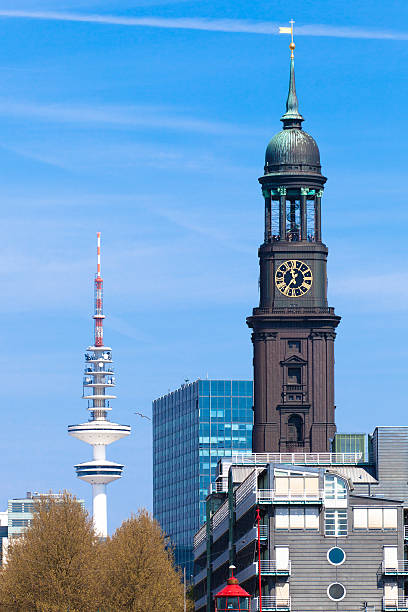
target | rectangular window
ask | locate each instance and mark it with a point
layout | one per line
(375, 518)
(294, 345)
(335, 523)
(390, 518)
(296, 518)
(20, 522)
(312, 486)
(360, 518)
(297, 485)
(294, 376)
(282, 518)
(282, 486)
(312, 518)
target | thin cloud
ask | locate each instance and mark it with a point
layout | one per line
(121, 116)
(208, 25)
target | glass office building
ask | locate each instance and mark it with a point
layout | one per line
(192, 428)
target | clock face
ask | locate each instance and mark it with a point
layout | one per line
(293, 278)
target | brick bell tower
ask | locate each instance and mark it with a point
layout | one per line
(293, 327)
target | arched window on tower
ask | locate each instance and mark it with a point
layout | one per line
(295, 428)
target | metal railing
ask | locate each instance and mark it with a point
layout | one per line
(200, 536)
(263, 531)
(394, 568)
(270, 495)
(294, 310)
(405, 532)
(274, 568)
(400, 604)
(299, 458)
(246, 487)
(220, 515)
(271, 604)
(219, 486)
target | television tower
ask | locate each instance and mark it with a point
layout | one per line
(99, 379)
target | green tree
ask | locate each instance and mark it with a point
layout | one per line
(51, 567)
(137, 573)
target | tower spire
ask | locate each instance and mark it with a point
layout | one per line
(292, 118)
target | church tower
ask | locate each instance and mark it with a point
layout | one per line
(293, 327)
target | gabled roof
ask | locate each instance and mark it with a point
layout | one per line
(294, 360)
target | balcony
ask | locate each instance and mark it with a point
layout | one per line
(273, 568)
(200, 541)
(272, 604)
(200, 576)
(396, 568)
(219, 486)
(293, 310)
(405, 532)
(270, 496)
(400, 604)
(294, 392)
(201, 603)
(252, 536)
(223, 558)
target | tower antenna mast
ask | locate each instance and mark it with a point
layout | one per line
(99, 316)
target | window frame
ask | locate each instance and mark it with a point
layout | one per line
(332, 598)
(336, 548)
(336, 512)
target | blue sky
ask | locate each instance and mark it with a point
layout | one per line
(148, 121)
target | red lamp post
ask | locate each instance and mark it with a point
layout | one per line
(232, 598)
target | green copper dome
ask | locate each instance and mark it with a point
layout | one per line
(292, 150)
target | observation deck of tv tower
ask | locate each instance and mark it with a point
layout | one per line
(99, 379)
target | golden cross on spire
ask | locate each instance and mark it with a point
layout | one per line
(286, 30)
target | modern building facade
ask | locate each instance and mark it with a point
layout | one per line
(99, 380)
(18, 516)
(193, 427)
(333, 533)
(293, 328)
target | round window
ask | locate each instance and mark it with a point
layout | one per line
(336, 591)
(336, 556)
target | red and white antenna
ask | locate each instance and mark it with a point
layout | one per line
(99, 316)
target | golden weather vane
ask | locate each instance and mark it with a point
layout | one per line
(286, 30)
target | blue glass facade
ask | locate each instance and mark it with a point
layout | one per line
(192, 428)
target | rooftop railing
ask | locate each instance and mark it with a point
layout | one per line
(272, 496)
(299, 458)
